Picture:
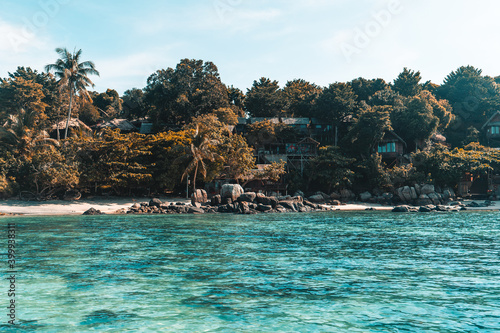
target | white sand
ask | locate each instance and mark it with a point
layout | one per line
(59, 207)
(111, 205)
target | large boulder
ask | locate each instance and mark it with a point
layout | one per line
(317, 198)
(155, 203)
(347, 195)
(299, 194)
(365, 196)
(413, 193)
(195, 210)
(335, 196)
(199, 196)
(399, 193)
(424, 200)
(418, 188)
(401, 209)
(406, 192)
(216, 200)
(289, 205)
(232, 191)
(435, 198)
(427, 189)
(247, 197)
(264, 208)
(93, 211)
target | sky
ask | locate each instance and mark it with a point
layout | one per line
(320, 41)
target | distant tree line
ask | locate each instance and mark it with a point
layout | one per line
(192, 111)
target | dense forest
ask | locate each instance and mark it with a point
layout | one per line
(45, 152)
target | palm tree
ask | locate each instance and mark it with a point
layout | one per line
(72, 75)
(200, 150)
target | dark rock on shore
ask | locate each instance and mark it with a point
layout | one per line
(93, 211)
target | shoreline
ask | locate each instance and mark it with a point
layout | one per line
(114, 205)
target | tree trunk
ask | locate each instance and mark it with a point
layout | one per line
(69, 112)
(194, 177)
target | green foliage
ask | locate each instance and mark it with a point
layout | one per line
(331, 169)
(264, 99)
(237, 101)
(336, 103)
(89, 114)
(192, 89)
(365, 89)
(273, 171)
(134, 105)
(109, 102)
(226, 116)
(299, 97)
(368, 129)
(408, 83)
(73, 76)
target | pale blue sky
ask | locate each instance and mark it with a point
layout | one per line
(322, 41)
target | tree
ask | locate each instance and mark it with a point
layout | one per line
(336, 105)
(331, 169)
(237, 100)
(264, 99)
(89, 114)
(365, 89)
(474, 99)
(134, 104)
(18, 93)
(368, 129)
(226, 116)
(73, 76)
(408, 83)
(109, 102)
(299, 97)
(192, 89)
(200, 150)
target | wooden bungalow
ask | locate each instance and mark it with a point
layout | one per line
(123, 125)
(391, 147)
(492, 128)
(75, 125)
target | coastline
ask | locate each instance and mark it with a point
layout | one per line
(114, 205)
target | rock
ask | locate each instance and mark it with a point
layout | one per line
(232, 191)
(195, 210)
(365, 196)
(447, 194)
(399, 193)
(370, 209)
(311, 205)
(347, 195)
(93, 211)
(247, 197)
(418, 188)
(155, 202)
(216, 200)
(299, 194)
(197, 205)
(135, 207)
(424, 200)
(435, 198)
(264, 208)
(427, 189)
(317, 198)
(406, 192)
(335, 196)
(425, 209)
(335, 203)
(441, 208)
(270, 201)
(288, 205)
(243, 208)
(199, 196)
(413, 193)
(227, 201)
(401, 209)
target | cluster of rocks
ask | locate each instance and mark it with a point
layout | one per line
(423, 195)
(232, 199)
(427, 209)
(93, 211)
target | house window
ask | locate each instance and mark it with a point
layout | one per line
(495, 130)
(389, 147)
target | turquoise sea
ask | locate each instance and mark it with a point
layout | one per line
(321, 272)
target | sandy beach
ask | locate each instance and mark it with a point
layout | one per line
(112, 205)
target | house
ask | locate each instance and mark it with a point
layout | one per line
(391, 147)
(123, 125)
(310, 127)
(492, 128)
(74, 125)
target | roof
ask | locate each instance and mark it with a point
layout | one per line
(73, 122)
(491, 119)
(122, 124)
(396, 136)
(310, 140)
(277, 120)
